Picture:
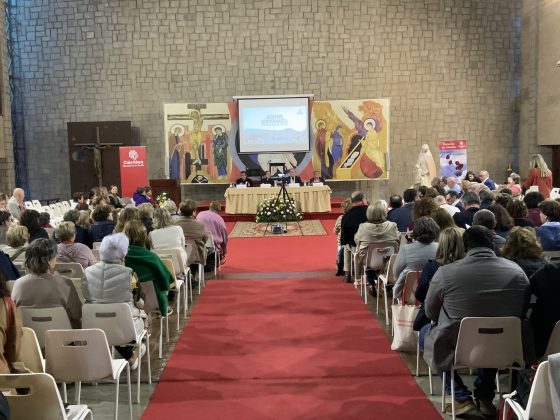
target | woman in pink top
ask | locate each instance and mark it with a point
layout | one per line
(539, 175)
(70, 251)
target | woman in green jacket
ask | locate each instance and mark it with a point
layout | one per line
(147, 265)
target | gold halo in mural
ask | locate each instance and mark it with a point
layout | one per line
(176, 127)
(318, 123)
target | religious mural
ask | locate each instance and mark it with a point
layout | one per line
(350, 140)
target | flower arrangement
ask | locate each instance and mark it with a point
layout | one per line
(162, 198)
(277, 210)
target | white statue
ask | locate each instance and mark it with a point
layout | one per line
(425, 168)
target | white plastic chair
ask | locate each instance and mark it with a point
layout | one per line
(179, 284)
(83, 356)
(30, 351)
(37, 204)
(115, 319)
(180, 268)
(55, 211)
(190, 245)
(553, 345)
(75, 272)
(96, 245)
(216, 256)
(384, 279)
(29, 205)
(42, 402)
(486, 342)
(376, 256)
(151, 306)
(539, 404)
(44, 319)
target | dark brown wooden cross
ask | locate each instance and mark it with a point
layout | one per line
(97, 159)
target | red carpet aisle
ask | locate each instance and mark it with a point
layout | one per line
(285, 349)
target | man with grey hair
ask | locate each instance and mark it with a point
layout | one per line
(15, 203)
(452, 185)
(472, 205)
(485, 178)
(487, 219)
(349, 226)
(442, 202)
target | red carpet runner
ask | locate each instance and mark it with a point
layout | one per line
(285, 349)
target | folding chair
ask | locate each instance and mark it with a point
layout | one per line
(151, 306)
(385, 279)
(41, 320)
(115, 320)
(486, 342)
(178, 285)
(30, 351)
(216, 256)
(83, 356)
(553, 345)
(190, 245)
(28, 205)
(42, 402)
(180, 268)
(75, 272)
(539, 404)
(376, 256)
(37, 204)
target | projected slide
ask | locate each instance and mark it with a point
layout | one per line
(273, 125)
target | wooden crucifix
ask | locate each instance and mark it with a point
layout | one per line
(198, 118)
(97, 159)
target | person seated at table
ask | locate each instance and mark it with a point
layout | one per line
(244, 180)
(267, 179)
(316, 178)
(293, 178)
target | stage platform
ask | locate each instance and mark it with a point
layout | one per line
(336, 211)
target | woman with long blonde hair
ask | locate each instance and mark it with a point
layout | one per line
(539, 175)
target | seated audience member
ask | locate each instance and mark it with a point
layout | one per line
(293, 178)
(82, 207)
(513, 184)
(486, 199)
(139, 197)
(150, 196)
(83, 235)
(243, 180)
(503, 199)
(166, 234)
(443, 219)
(532, 200)
(15, 203)
(487, 219)
(316, 178)
(504, 222)
(395, 202)
(402, 216)
(345, 206)
(349, 226)
(472, 205)
(114, 197)
(432, 193)
(147, 265)
(103, 223)
(442, 203)
(45, 220)
(471, 177)
(267, 179)
(546, 310)
(79, 198)
(452, 185)
(193, 231)
(10, 330)
(485, 178)
(146, 213)
(214, 223)
(69, 250)
(452, 198)
(16, 242)
(171, 207)
(414, 256)
(5, 223)
(517, 209)
(44, 288)
(109, 281)
(376, 229)
(125, 216)
(423, 207)
(7, 267)
(421, 191)
(30, 219)
(480, 284)
(549, 232)
(450, 249)
(4, 202)
(523, 248)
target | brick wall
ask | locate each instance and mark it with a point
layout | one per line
(449, 67)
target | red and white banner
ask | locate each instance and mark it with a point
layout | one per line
(134, 170)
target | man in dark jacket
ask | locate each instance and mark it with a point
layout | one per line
(402, 216)
(472, 205)
(348, 228)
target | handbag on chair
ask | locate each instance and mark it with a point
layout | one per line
(404, 337)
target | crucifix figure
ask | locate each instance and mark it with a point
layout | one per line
(97, 160)
(198, 119)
